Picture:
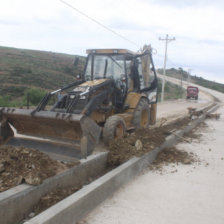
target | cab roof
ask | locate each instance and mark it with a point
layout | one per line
(110, 51)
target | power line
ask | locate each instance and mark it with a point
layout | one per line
(100, 24)
(168, 40)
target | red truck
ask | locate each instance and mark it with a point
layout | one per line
(192, 92)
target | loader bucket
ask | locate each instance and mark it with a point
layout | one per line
(65, 128)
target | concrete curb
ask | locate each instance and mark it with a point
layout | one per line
(17, 202)
(76, 206)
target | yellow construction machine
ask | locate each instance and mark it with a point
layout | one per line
(116, 92)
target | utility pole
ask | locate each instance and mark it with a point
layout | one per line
(181, 81)
(167, 39)
(188, 77)
(181, 77)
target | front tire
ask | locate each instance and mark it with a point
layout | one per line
(114, 128)
(141, 117)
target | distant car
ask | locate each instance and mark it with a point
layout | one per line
(192, 92)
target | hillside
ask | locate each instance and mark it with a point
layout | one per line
(181, 74)
(23, 69)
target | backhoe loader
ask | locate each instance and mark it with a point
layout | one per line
(117, 92)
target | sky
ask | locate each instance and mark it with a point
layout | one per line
(51, 25)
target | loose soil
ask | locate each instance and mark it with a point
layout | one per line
(213, 116)
(141, 141)
(173, 155)
(195, 134)
(24, 165)
(53, 197)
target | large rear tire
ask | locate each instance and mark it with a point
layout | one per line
(141, 117)
(114, 128)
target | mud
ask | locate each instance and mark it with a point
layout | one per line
(141, 141)
(24, 165)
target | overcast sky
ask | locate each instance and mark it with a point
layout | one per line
(50, 25)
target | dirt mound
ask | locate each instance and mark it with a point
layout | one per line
(141, 141)
(213, 116)
(24, 165)
(134, 144)
(173, 155)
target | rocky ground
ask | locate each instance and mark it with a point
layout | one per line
(141, 141)
(23, 165)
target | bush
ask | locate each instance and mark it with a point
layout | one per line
(17, 70)
(4, 101)
(34, 96)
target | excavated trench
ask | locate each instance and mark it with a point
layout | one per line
(26, 165)
(120, 151)
(30, 166)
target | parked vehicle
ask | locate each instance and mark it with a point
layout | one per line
(192, 92)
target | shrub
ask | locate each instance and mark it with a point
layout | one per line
(4, 101)
(34, 96)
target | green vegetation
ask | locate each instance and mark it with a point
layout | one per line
(171, 91)
(33, 96)
(13, 91)
(21, 70)
(181, 74)
(6, 102)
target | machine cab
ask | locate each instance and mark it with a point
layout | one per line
(131, 72)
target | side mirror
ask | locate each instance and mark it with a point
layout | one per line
(78, 77)
(76, 61)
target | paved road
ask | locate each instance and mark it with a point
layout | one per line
(182, 194)
(173, 109)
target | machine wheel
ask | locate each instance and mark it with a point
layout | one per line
(114, 128)
(141, 117)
